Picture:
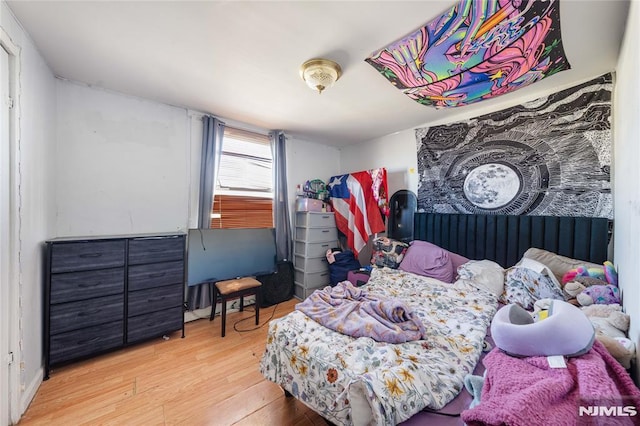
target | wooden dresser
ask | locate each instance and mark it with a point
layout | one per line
(105, 293)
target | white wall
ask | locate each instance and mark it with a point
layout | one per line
(309, 160)
(626, 175)
(34, 174)
(122, 164)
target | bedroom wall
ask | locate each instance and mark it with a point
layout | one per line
(34, 174)
(626, 175)
(121, 164)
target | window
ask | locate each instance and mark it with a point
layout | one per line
(244, 190)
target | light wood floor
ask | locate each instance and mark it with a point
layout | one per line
(203, 379)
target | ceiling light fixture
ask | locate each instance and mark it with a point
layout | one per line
(320, 73)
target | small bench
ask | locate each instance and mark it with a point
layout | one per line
(233, 289)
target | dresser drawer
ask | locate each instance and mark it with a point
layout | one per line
(85, 313)
(156, 249)
(87, 255)
(311, 279)
(155, 299)
(311, 264)
(72, 286)
(154, 324)
(155, 275)
(317, 235)
(312, 249)
(315, 220)
(86, 341)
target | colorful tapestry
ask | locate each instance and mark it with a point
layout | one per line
(549, 157)
(476, 50)
(360, 203)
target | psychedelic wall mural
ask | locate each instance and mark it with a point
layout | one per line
(477, 50)
(549, 157)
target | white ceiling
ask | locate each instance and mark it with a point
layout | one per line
(240, 60)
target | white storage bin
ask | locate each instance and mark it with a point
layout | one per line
(316, 235)
(311, 279)
(302, 292)
(315, 220)
(313, 249)
(311, 264)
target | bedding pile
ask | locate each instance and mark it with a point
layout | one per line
(528, 391)
(361, 381)
(359, 313)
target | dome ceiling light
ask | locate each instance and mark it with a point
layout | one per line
(320, 74)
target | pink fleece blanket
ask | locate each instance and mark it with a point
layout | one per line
(355, 312)
(526, 391)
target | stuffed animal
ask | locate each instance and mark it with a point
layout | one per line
(583, 271)
(593, 275)
(610, 273)
(576, 280)
(611, 325)
(599, 294)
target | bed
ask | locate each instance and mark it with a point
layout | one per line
(351, 380)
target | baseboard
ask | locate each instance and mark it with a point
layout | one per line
(197, 314)
(232, 306)
(30, 391)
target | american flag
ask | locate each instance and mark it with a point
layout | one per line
(359, 201)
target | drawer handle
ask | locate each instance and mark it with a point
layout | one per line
(157, 275)
(155, 299)
(326, 230)
(324, 275)
(90, 255)
(326, 217)
(325, 245)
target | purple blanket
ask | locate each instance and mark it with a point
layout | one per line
(526, 391)
(353, 311)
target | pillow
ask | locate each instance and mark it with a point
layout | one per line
(429, 260)
(388, 252)
(524, 286)
(457, 261)
(484, 274)
(565, 331)
(559, 265)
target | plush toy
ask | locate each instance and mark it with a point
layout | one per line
(594, 275)
(610, 273)
(599, 294)
(582, 271)
(602, 294)
(611, 325)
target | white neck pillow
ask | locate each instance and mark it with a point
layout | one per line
(566, 331)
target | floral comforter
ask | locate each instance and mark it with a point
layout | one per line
(360, 381)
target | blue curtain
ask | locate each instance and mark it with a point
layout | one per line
(284, 242)
(212, 133)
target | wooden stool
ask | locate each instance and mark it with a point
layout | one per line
(232, 289)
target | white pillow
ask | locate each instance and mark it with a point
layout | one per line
(539, 268)
(484, 274)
